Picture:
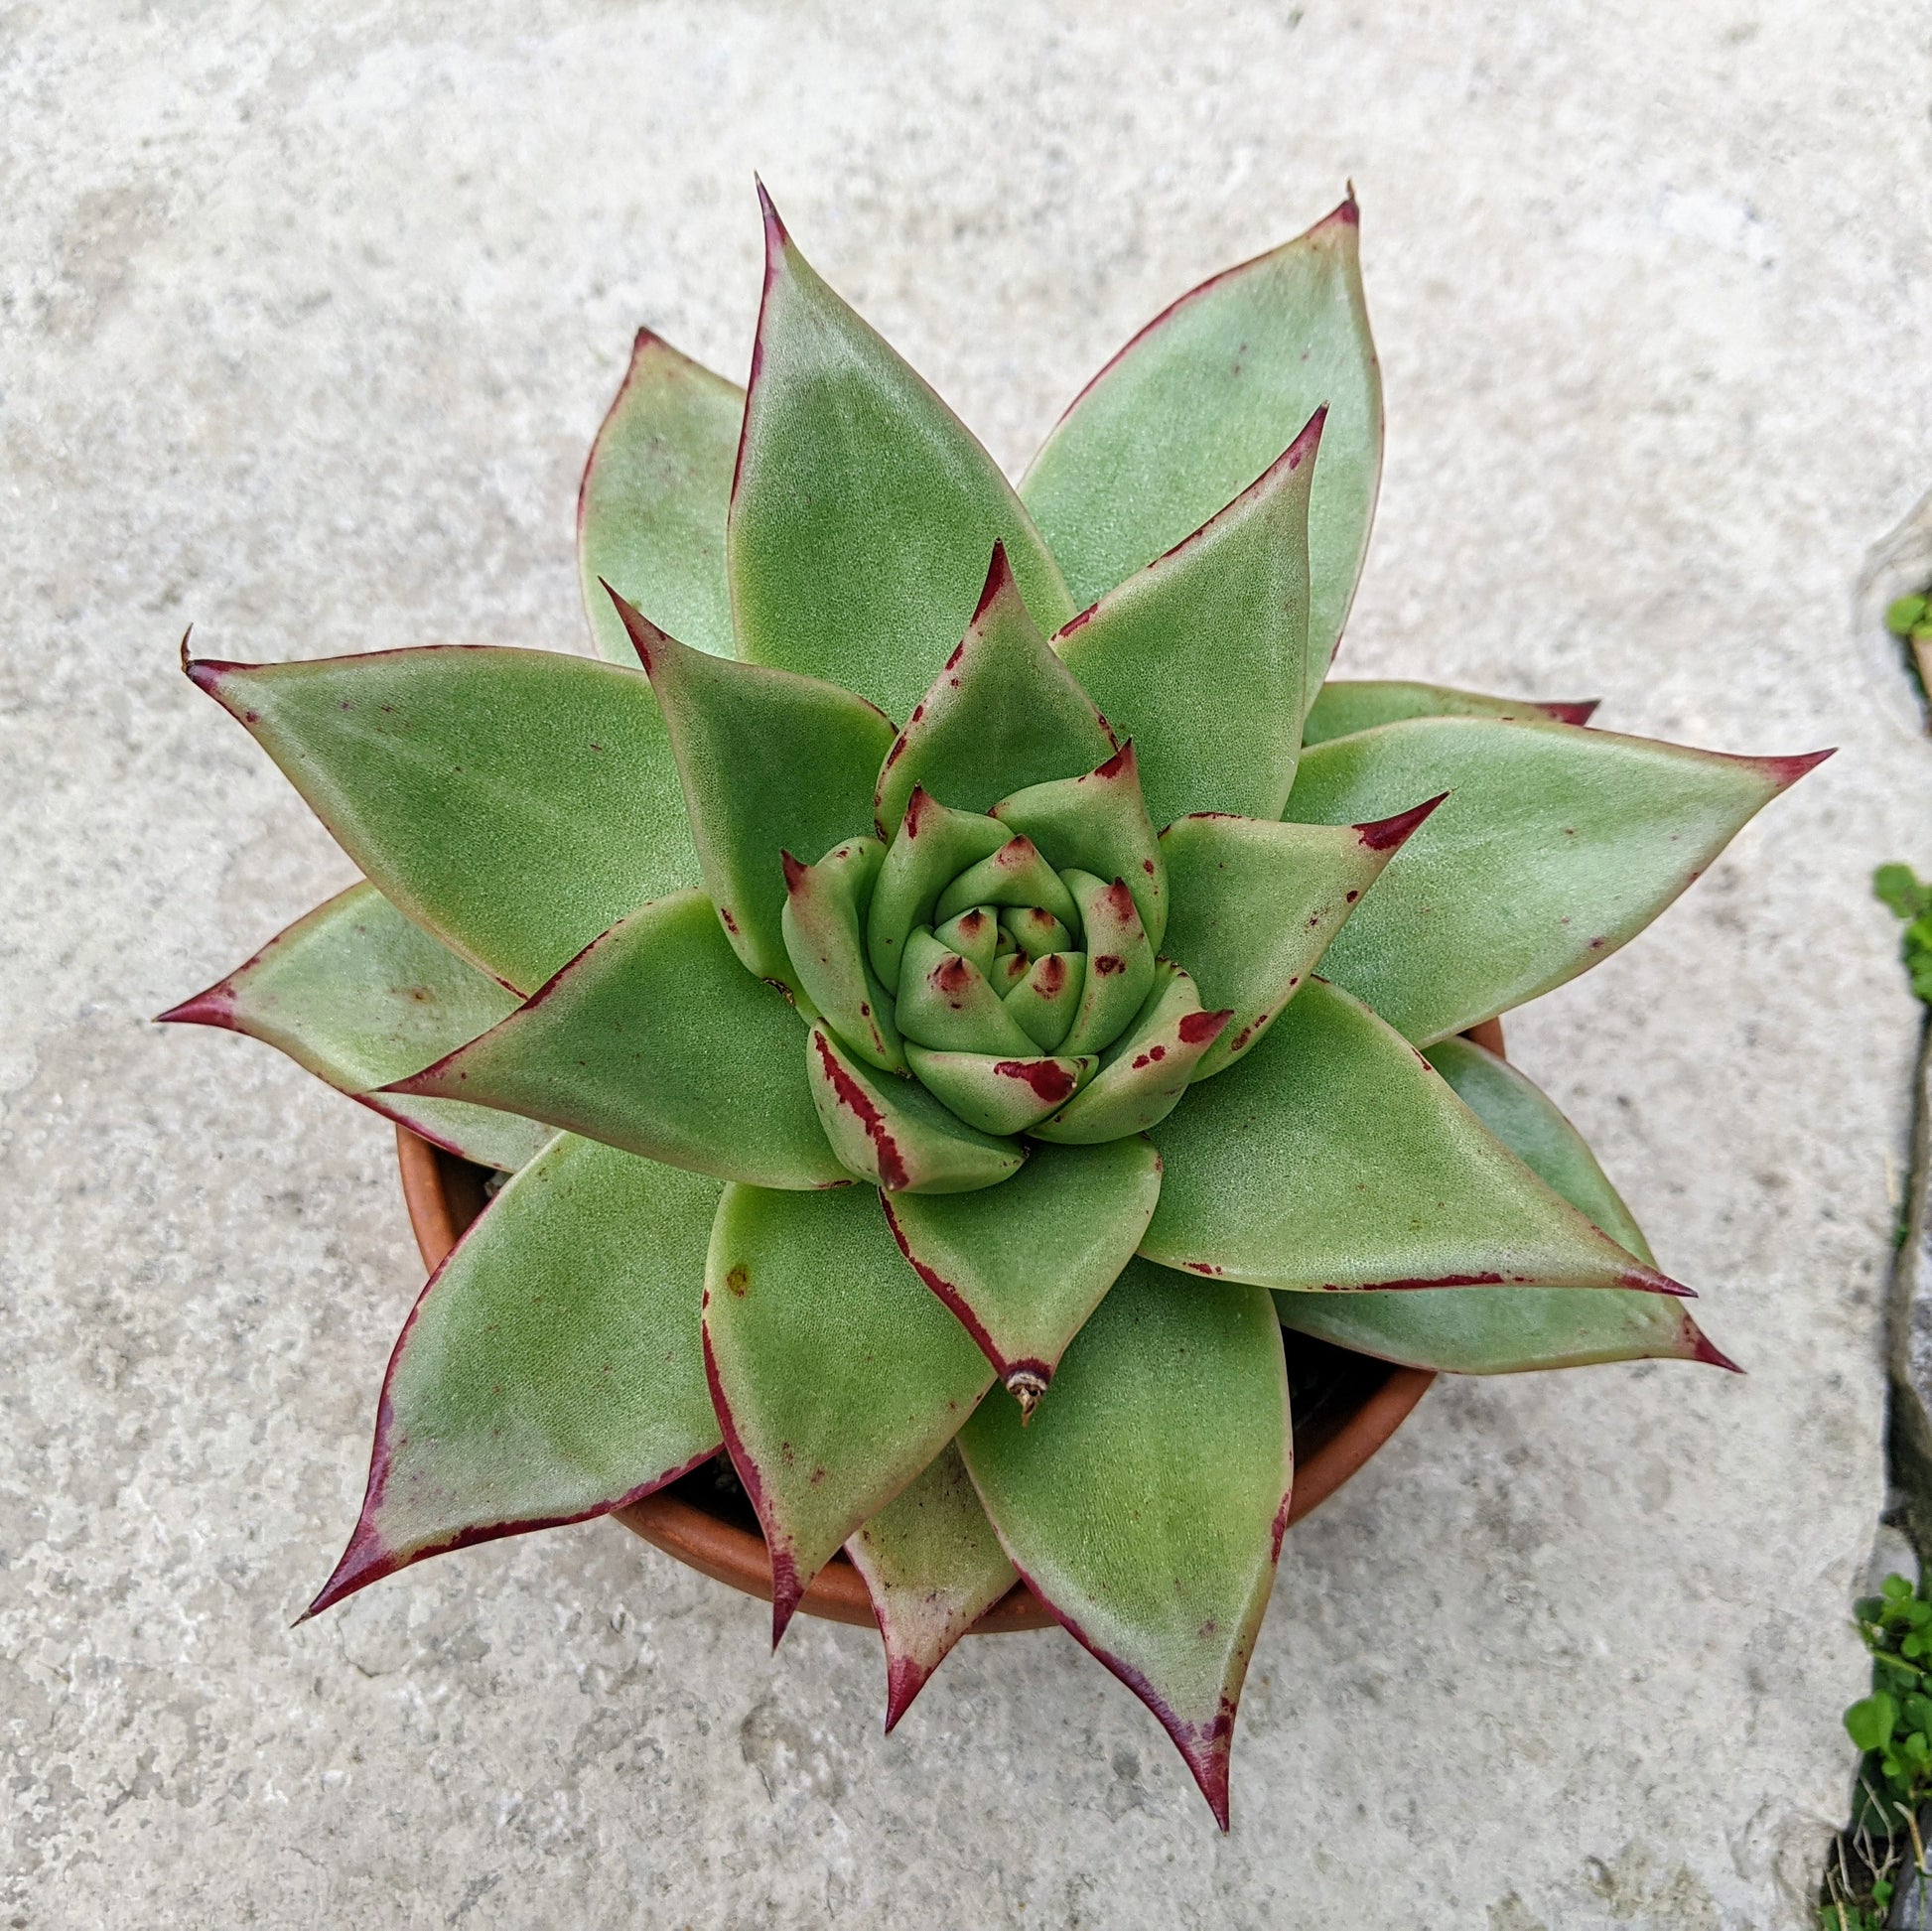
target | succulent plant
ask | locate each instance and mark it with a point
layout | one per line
(891, 977)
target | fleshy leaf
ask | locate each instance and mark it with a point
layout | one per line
(553, 1368)
(1003, 713)
(1556, 845)
(836, 1376)
(1344, 705)
(516, 803)
(1203, 657)
(1146, 1071)
(934, 845)
(947, 1004)
(862, 510)
(974, 934)
(998, 1096)
(932, 1566)
(1035, 932)
(828, 953)
(894, 1133)
(1024, 1265)
(652, 508)
(1503, 1330)
(359, 996)
(1095, 823)
(1335, 1155)
(770, 762)
(1047, 996)
(1120, 963)
(1015, 874)
(1256, 903)
(1201, 401)
(1145, 1504)
(654, 1038)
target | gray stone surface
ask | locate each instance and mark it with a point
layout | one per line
(306, 315)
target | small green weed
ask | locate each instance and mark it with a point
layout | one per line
(1898, 887)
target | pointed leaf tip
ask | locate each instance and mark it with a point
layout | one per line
(777, 237)
(1580, 712)
(1784, 773)
(904, 1679)
(1705, 1350)
(999, 582)
(214, 1007)
(645, 636)
(1385, 834)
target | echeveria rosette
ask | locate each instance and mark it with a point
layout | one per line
(890, 979)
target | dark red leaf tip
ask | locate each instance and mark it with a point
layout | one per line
(795, 871)
(1121, 764)
(1702, 1349)
(1385, 834)
(1562, 711)
(645, 636)
(1784, 773)
(1648, 1280)
(216, 1007)
(777, 238)
(904, 1679)
(999, 580)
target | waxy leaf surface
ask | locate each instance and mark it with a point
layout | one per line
(1556, 845)
(1023, 1264)
(1335, 1157)
(359, 996)
(1201, 658)
(1200, 403)
(1145, 1502)
(1344, 705)
(895, 1134)
(1502, 1331)
(821, 931)
(1256, 903)
(932, 1566)
(770, 762)
(836, 1375)
(553, 1368)
(1003, 713)
(517, 803)
(863, 510)
(657, 1039)
(653, 505)
(1097, 822)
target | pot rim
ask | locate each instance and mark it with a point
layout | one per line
(445, 1194)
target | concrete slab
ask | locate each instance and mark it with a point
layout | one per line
(307, 316)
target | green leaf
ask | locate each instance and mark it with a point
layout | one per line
(1869, 1723)
(1046, 998)
(1095, 823)
(1897, 887)
(1016, 875)
(828, 953)
(516, 803)
(1146, 1502)
(658, 1041)
(1201, 401)
(1556, 847)
(359, 996)
(932, 1566)
(1904, 615)
(1120, 970)
(1003, 713)
(935, 846)
(1024, 1264)
(1203, 657)
(1528, 1123)
(1256, 903)
(651, 510)
(1335, 1157)
(947, 1004)
(1145, 1070)
(864, 511)
(996, 1095)
(553, 1368)
(1342, 707)
(770, 762)
(837, 1377)
(895, 1134)
(1505, 1330)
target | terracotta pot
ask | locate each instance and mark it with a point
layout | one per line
(1347, 1405)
